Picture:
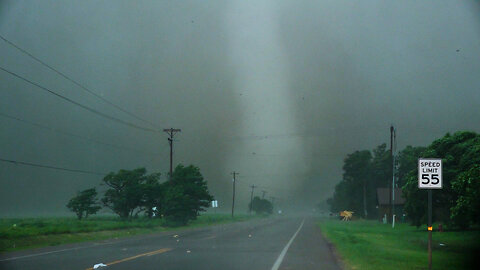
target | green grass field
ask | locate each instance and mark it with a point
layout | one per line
(17, 234)
(372, 245)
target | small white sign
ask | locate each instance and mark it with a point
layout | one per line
(215, 204)
(429, 173)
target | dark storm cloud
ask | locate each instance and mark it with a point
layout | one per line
(280, 91)
(361, 65)
(165, 62)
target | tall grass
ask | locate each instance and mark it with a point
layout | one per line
(16, 228)
(16, 233)
(372, 245)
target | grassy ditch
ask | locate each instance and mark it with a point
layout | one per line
(17, 234)
(372, 245)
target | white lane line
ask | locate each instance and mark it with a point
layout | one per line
(279, 260)
(54, 251)
(75, 248)
(39, 254)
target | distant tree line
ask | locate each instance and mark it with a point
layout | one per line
(132, 192)
(261, 206)
(457, 204)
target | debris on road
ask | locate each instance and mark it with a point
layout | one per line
(98, 265)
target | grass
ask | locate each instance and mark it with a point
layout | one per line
(372, 245)
(18, 234)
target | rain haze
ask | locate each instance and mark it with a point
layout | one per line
(278, 91)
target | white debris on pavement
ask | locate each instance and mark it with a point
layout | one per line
(98, 265)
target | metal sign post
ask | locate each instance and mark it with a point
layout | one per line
(430, 228)
(429, 177)
(215, 206)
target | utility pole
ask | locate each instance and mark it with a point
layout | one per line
(263, 194)
(394, 168)
(391, 187)
(251, 199)
(171, 132)
(233, 198)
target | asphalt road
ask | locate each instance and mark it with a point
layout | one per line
(281, 243)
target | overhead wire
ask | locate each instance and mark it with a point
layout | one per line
(112, 118)
(75, 82)
(89, 109)
(241, 181)
(49, 167)
(73, 135)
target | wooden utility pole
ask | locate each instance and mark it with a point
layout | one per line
(394, 167)
(251, 199)
(171, 132)
(233, 197)
(390, 214)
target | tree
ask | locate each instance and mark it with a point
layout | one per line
(459, 153)
(381, 168)
(408, 161)
(127, 191)
(341, 200)
(363, 173)
(352, 192)
(357, 172)
(153, 193)
(261, 206)
(186, 194)
(381, 176)
(84, 203)
(466, 210)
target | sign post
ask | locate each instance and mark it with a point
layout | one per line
(215, 205)
(429, 177)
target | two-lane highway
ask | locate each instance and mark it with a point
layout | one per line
(280, 243)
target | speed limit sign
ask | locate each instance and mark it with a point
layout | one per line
(430, 177)
(429, 173)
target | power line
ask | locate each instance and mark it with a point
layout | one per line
(72, 134)
(277, 189)
(264, 187)
(75, 82)
(49, 167)
(283, 191)
(78, 104)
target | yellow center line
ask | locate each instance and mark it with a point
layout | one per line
(162, 250)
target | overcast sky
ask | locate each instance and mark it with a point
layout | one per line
(280, 91)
